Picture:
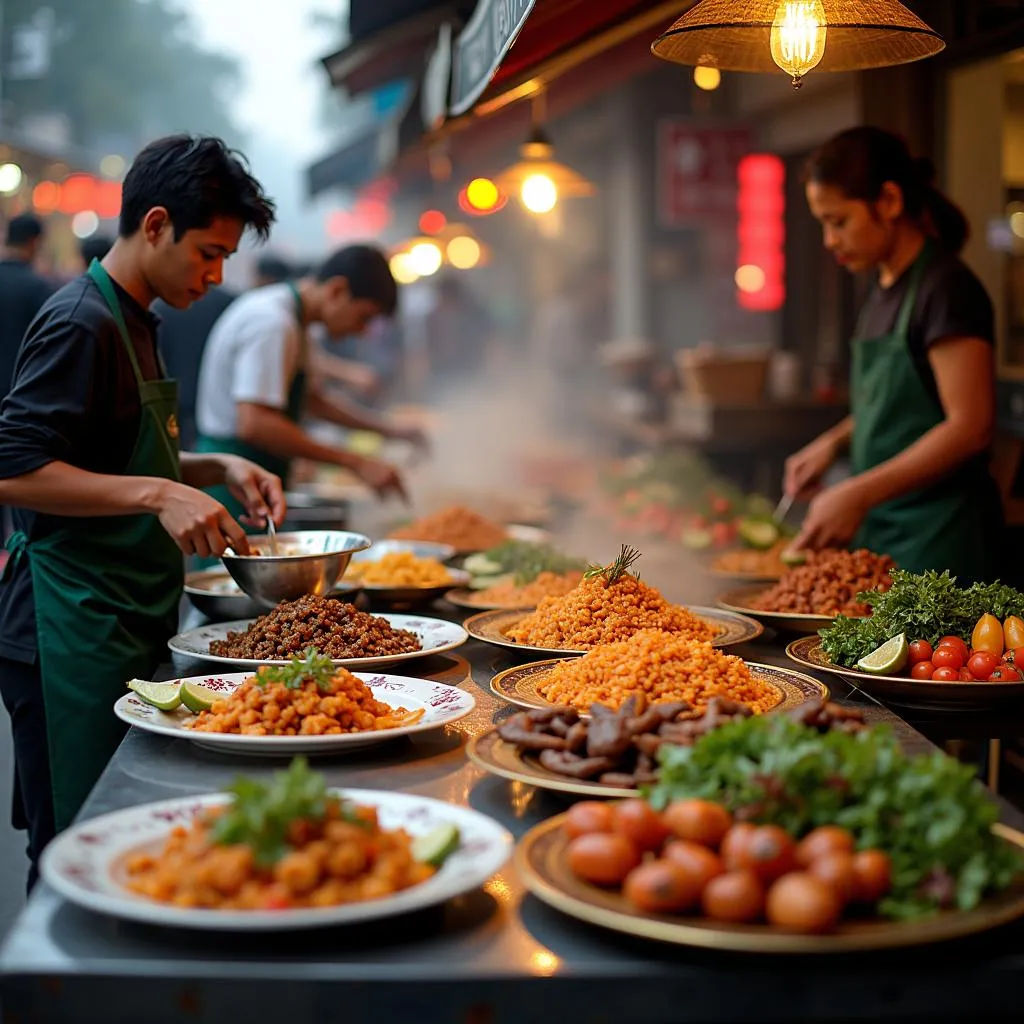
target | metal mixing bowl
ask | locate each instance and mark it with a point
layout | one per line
(312, 562)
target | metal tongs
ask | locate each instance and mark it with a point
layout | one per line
(782, 509)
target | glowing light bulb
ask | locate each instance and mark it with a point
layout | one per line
(402, 269)
(10, 179)
(463, 252)
(750, 278)
(707, 78)
(798, 36)
(425, 258)
(482, 194)
(539, 193)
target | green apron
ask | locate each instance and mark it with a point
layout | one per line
(956, 524)
(106, 592)
(236, 446)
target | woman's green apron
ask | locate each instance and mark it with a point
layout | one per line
(956, 524)
(236, 446)
(106, 593)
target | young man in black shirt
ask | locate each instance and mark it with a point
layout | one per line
(106, 508)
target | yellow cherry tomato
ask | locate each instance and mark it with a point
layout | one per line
(988, 635)
(1013, 632)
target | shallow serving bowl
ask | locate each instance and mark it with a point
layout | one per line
(310, 562)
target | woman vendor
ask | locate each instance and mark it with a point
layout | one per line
(922, 406)
(105, 508)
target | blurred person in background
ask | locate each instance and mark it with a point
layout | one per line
(22, 290)
(922, 409)
(257, 380)
(94, 248)
(457, 335)
(271, 269)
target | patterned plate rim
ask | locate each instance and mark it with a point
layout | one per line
(542, 843)
(791, 681)
(160, 727)
(487, 625)
(399, 621)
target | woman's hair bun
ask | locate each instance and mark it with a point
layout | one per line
(925, 170)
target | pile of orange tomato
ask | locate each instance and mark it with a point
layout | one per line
(996, 654)
(694, 858)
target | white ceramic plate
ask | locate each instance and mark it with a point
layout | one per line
(84, 863)
(435, 635)
(442, 704)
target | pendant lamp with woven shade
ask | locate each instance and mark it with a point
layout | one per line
(797, 36)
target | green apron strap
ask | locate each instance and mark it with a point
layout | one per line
(105, 284)
(906, 313)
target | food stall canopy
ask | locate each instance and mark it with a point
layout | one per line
(510, 48)
(389, 41)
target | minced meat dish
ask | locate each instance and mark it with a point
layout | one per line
(334, 628)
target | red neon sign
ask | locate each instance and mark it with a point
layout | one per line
(761, 233)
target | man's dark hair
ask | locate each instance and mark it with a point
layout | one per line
(366, 269)
(274, 269)
(24, 228)
(196, 179)
(95, 248)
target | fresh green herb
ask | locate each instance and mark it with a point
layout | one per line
(929, 813)
(262, 812)
(310, 666)
(614, 571)
(928, 607)
(524, 561)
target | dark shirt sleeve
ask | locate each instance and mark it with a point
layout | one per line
(46, 416)
(957, 306)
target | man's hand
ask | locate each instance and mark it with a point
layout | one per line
(384, 478)
(197, 523)
(805, 469)
(833, 518)
(413, 434)
(258, 489)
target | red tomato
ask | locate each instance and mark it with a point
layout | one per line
(1015, 656)
(639, 823)
(1006, 674)
(957, 642)
(946, 675)
(982, 664)
(920, 650)
(922, 670)
(948, 657)
(965, 675)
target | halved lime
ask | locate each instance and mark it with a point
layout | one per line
(437, 845)
(161, 695)
(197, 697)
(758, 533)
(697, 540)
(791, 556)
(889, 659)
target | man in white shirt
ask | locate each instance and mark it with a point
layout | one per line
(255, 385)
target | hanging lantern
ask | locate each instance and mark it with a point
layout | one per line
(539, 180)
(797, 36)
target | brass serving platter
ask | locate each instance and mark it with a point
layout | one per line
(465, 597)
(931, 694)
(733, 628)
(518, 685)
(540, 861)
(739, 601)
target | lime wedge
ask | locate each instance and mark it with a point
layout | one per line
(889, 659)
(197, 697)
(437, 845)
(161, 695)
(697, 540)
(793, 557)
(758, 533)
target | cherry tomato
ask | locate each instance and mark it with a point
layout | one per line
(640, 823)
(588, 816)
(837, 871)
(920, 650)
(872, 870)
(965, 675)
(699, 863)
(1015, 656)
(698, 821)
(803, 903)
(770, 853)
(735, 843)
(604, 858)
(922, 670)
(1006, 674)
(948, 657)
(946, 675)
(736, 896)
(957, 642)
(982, 664)
(821, 842)
(661, 887)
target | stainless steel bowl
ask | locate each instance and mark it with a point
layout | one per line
(312, 562)
(217, 596)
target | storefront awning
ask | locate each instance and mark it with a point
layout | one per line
(388, 41)
(512, 47)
